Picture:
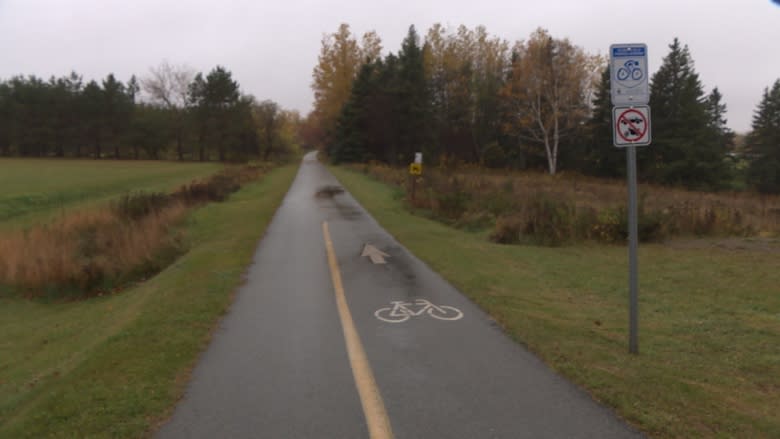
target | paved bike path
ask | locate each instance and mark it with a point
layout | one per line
(277, 367)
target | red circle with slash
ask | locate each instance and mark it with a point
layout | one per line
(636, 133)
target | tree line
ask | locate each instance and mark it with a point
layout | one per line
(465, 96)
(171, 113)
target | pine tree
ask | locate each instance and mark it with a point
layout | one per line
(602, 158)
(117, 107)
(385, 121)
(6, 121)
(352, 134)
(687, 147)
(414, 106)
(215, 101)
(764, 143)
(716, 110)
(93, 105)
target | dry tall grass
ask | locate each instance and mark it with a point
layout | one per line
(84, 253)
(89, 249)
(579, 207)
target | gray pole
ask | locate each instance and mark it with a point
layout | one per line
(633, 243)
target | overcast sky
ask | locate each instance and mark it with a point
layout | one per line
(272, 46)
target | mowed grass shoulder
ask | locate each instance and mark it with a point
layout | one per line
(709, 318)
(114, 366)
(33, 190)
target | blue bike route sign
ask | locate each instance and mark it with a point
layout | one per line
(629, 75)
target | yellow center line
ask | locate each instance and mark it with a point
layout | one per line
(373, 407)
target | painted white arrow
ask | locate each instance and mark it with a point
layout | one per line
(377, 256)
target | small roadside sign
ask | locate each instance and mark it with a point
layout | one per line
(415, 168)
(631, 126)
(628, 74)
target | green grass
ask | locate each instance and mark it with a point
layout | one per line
(114, 366)
(709, 319)
(36, 189)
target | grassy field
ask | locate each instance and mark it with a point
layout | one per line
(709, 317)
(33, 190)
(113, 366)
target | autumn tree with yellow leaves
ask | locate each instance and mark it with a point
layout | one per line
(338, 64)
(465, 71)
(548, 92)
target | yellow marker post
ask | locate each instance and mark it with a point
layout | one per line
(415, 169)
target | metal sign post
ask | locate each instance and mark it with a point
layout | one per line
(633, 257)
(631, 128)
(415, 169)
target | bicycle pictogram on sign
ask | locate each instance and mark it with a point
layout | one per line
(631, 69)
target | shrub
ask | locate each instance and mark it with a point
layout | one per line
(548, 221)
(611, 225)
(508, 230)
(569, 208)
(138, 205)
(218, 187)
(452, 205)
(497, 203)
(451, 200)
(475, 221)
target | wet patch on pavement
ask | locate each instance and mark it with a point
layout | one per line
(329, 191)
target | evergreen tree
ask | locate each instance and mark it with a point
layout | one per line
(687, 146)
(6, 121)
(31, 111)
(764, 143)
(214, 101)
(413, 103)
(384, 124)
(491, 60)
(352, 128)
(68, 120)
(93, 105)
(117, 108)
(64, 117)
(199, 112)
(723, 138)
(602, 158)
(150, 131)
(267, 116)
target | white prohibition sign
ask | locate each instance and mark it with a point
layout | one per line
(631, 125)
(401, 311)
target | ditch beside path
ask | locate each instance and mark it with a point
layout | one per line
(321, 342)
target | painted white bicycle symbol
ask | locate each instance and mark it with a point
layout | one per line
(402, 311)
(631, 69)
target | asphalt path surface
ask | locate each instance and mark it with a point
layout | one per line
(278, 366)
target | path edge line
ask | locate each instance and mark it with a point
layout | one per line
(373, 407)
